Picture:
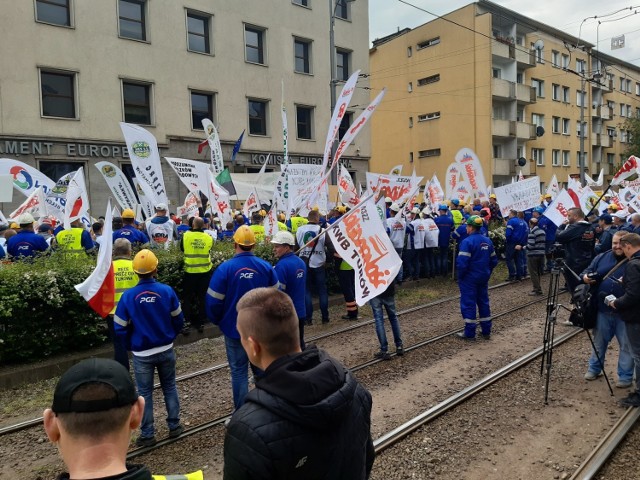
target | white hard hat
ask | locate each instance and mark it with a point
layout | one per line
(162, 206)
(25, 219)
(282, 237)
(395, 207)
(416, 210)
(387, 200)
(426, 211)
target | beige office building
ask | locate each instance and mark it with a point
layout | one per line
(74, 69)
(486, 78)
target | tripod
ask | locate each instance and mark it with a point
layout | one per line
(549, 332)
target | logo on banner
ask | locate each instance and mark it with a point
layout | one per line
(28, 181)
(109, 171)
(141, 149)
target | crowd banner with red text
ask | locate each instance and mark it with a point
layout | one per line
(251, 204)
(433, 193)
(629, 198)
(218, 199)
(34, 204)
(338, 113)
(519, 195)
(145, 159)
(463, 191)
(271, 220)
(347, 189)
(190, 207)
(191, 172)
(553, 188)
(76, 201)
(451, 178)
(559, 209)
(628, 169)
(398, 188)
(118, 184)
(213, 139)
(631, 183)
(26, 179)
(470, 164)
(361, 240)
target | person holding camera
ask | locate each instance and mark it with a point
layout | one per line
(577, 236)
(627, 306)
(604, 274)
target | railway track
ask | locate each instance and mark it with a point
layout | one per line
(187, 376)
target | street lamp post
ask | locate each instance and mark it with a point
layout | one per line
(581, 155)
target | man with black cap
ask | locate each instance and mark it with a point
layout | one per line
(603, 243)
(95, 408)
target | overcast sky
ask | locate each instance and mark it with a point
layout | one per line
(386, 16)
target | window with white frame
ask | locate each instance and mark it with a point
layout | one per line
(565, 61)
(637, 88)
(538, 156)
(538, 85)
(555, 92)
(566, 94)
(555, 158)
(624, 136)
(578, 129)
(566, 126)
(566, 158)
(611, 132)
(555, 124)
(581, 65)
(537, 119)
(555, 58)
(580, 98)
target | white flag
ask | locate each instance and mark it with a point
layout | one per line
(192, 173)
(452, 178)
(553, 188)
(147, 206)
(347, 189)
(77, 201)
(213, 139)
(25, 178)
(595, 183)
(118, 184)
(628, 169)
(34, 204)
(3, 219)
(433, 193)
(559, 209)
(588, 200)
(472, 172)
(218, 199)
(285, 129)
(252, 204)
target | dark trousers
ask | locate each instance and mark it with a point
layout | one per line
(427, 261)
(347, 279)
(120, 354)
(410, 264)
(194, 291)
(536, 266)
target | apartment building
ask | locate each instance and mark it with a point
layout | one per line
(74, 69)
(516, 91)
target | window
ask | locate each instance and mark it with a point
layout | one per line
(538, 85)
(496, 73)
(427, 80)
(578, 130)
(434, 152)
(611, 158)
(132, 20)
(581, 160)
(566, 158)
(429, 43)
(137, 102)
(201, 108)
(537, 119)
(347, 119)
(623, 136)
(304, 121)
(198, 32)
(410, 87)
(258, 117)
(565, 94)
(555, 124)
(58, 169)
(637, 88)
(254, 44)
(409, 51)
(623, 84)
(628, 89)
(555, 158)
(343, 59)
(580, 98)
(342, 9)
(566, 125)
(428, 116)
(538, 156)
(539, 52)
(611, 132)
(555, 92)
(58, 94)
(555, 58)
(410, 122)
(497, 151)
(580, 66)
(56, 12)
(302, 55)
(304, 3)
(410, 157)
(519, 78)
(565, 61)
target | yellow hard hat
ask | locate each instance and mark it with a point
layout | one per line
(493, 195)
(145, 262)
(128, 213)
(282, 217)
(244, 236)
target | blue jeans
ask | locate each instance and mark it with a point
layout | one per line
(390, 305)
(143, 368)
(633, 336)
(442, 260)
(514, 261)
(609, 325)
(317, 283)
(239, 366)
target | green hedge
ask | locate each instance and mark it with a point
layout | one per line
(41, 313)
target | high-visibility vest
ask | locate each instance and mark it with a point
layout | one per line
(282, 226)
(70, 241)
(124, 277)
(196, 252)
(187, 476)
(297, 222)
(457, 217)
(258, 231)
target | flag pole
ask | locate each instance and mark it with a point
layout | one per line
(599, 199)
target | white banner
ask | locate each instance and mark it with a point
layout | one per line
(632, 183)
(56, 197)
(588, 200)
(218, 199)
(451, 179)
(554, 187)
(518, 196)
(463, 191)
(213, 139)
(190, 207)
(34, 204)
(361, 240)
(285, 130)
(595, 183)
(397, 170)
(301, 178)
(26, 179)
(433, 193)
(77, 201)
(338, 113)
(118, 184)
(627, 197)
(147, 206)
(396, 187)
(628, 169)
(192, 173)
(347, 189)
(271, 220)
(559, 209)
(473, 173)
(143, 151)
(252, 204)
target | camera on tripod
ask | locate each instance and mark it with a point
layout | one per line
(557, 251)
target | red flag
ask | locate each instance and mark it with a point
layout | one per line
(202, 145)
(628, 169)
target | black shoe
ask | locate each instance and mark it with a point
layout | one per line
(382, 355)
(462, 336)
(349, 317)
(200, 328)
(535, 293)
(185, 331)
(325, 321)
(633, 400)
(487, 336)
(399, 351)
(510, 279)
(146, 441)
(308, 323)
(176, 432)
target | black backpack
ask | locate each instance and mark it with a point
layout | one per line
(585, 307)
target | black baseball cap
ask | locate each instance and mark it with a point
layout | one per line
(94, 370)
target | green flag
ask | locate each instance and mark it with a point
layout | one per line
(224, 179)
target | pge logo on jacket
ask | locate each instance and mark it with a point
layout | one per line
(246, 273)
(147, 297)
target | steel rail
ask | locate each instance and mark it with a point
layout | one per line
(603, 451)
(187, 376)
(399, 433)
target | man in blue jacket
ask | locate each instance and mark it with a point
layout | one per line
(474, 263)
(230, 281)
(129, 230)
(445, 226)
(147, 321)
(516, 235)
(26, 243)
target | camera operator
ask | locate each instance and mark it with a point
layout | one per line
(627, 305)
(577, 236)
(604, 274)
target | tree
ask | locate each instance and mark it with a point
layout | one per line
(632, 126)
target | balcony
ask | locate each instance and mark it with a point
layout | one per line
(503, 49)
(503, 166)
(602, 111)
(502, 89)
(501, 128)
(510, 129)
(525, 59)
(525, 131)
(525, 94)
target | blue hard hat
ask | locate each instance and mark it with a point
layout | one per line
(443, 207)
(540, 210)
(455, 201)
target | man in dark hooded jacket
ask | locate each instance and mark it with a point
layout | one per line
(308, 418)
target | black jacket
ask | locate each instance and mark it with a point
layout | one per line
(134, 472)
(308, 418)
(578, 240)
(627, 305)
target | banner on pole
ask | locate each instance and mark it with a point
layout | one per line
(192, 173)
(559, 209)
(34, 204)
(473, 173)
(451, 179)
(398, 188)
(26, 179)
(433, 193)
(518, 196)
(347, 189)
(213, 139)
(118, 184)
(628, 169)
(190, 207)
